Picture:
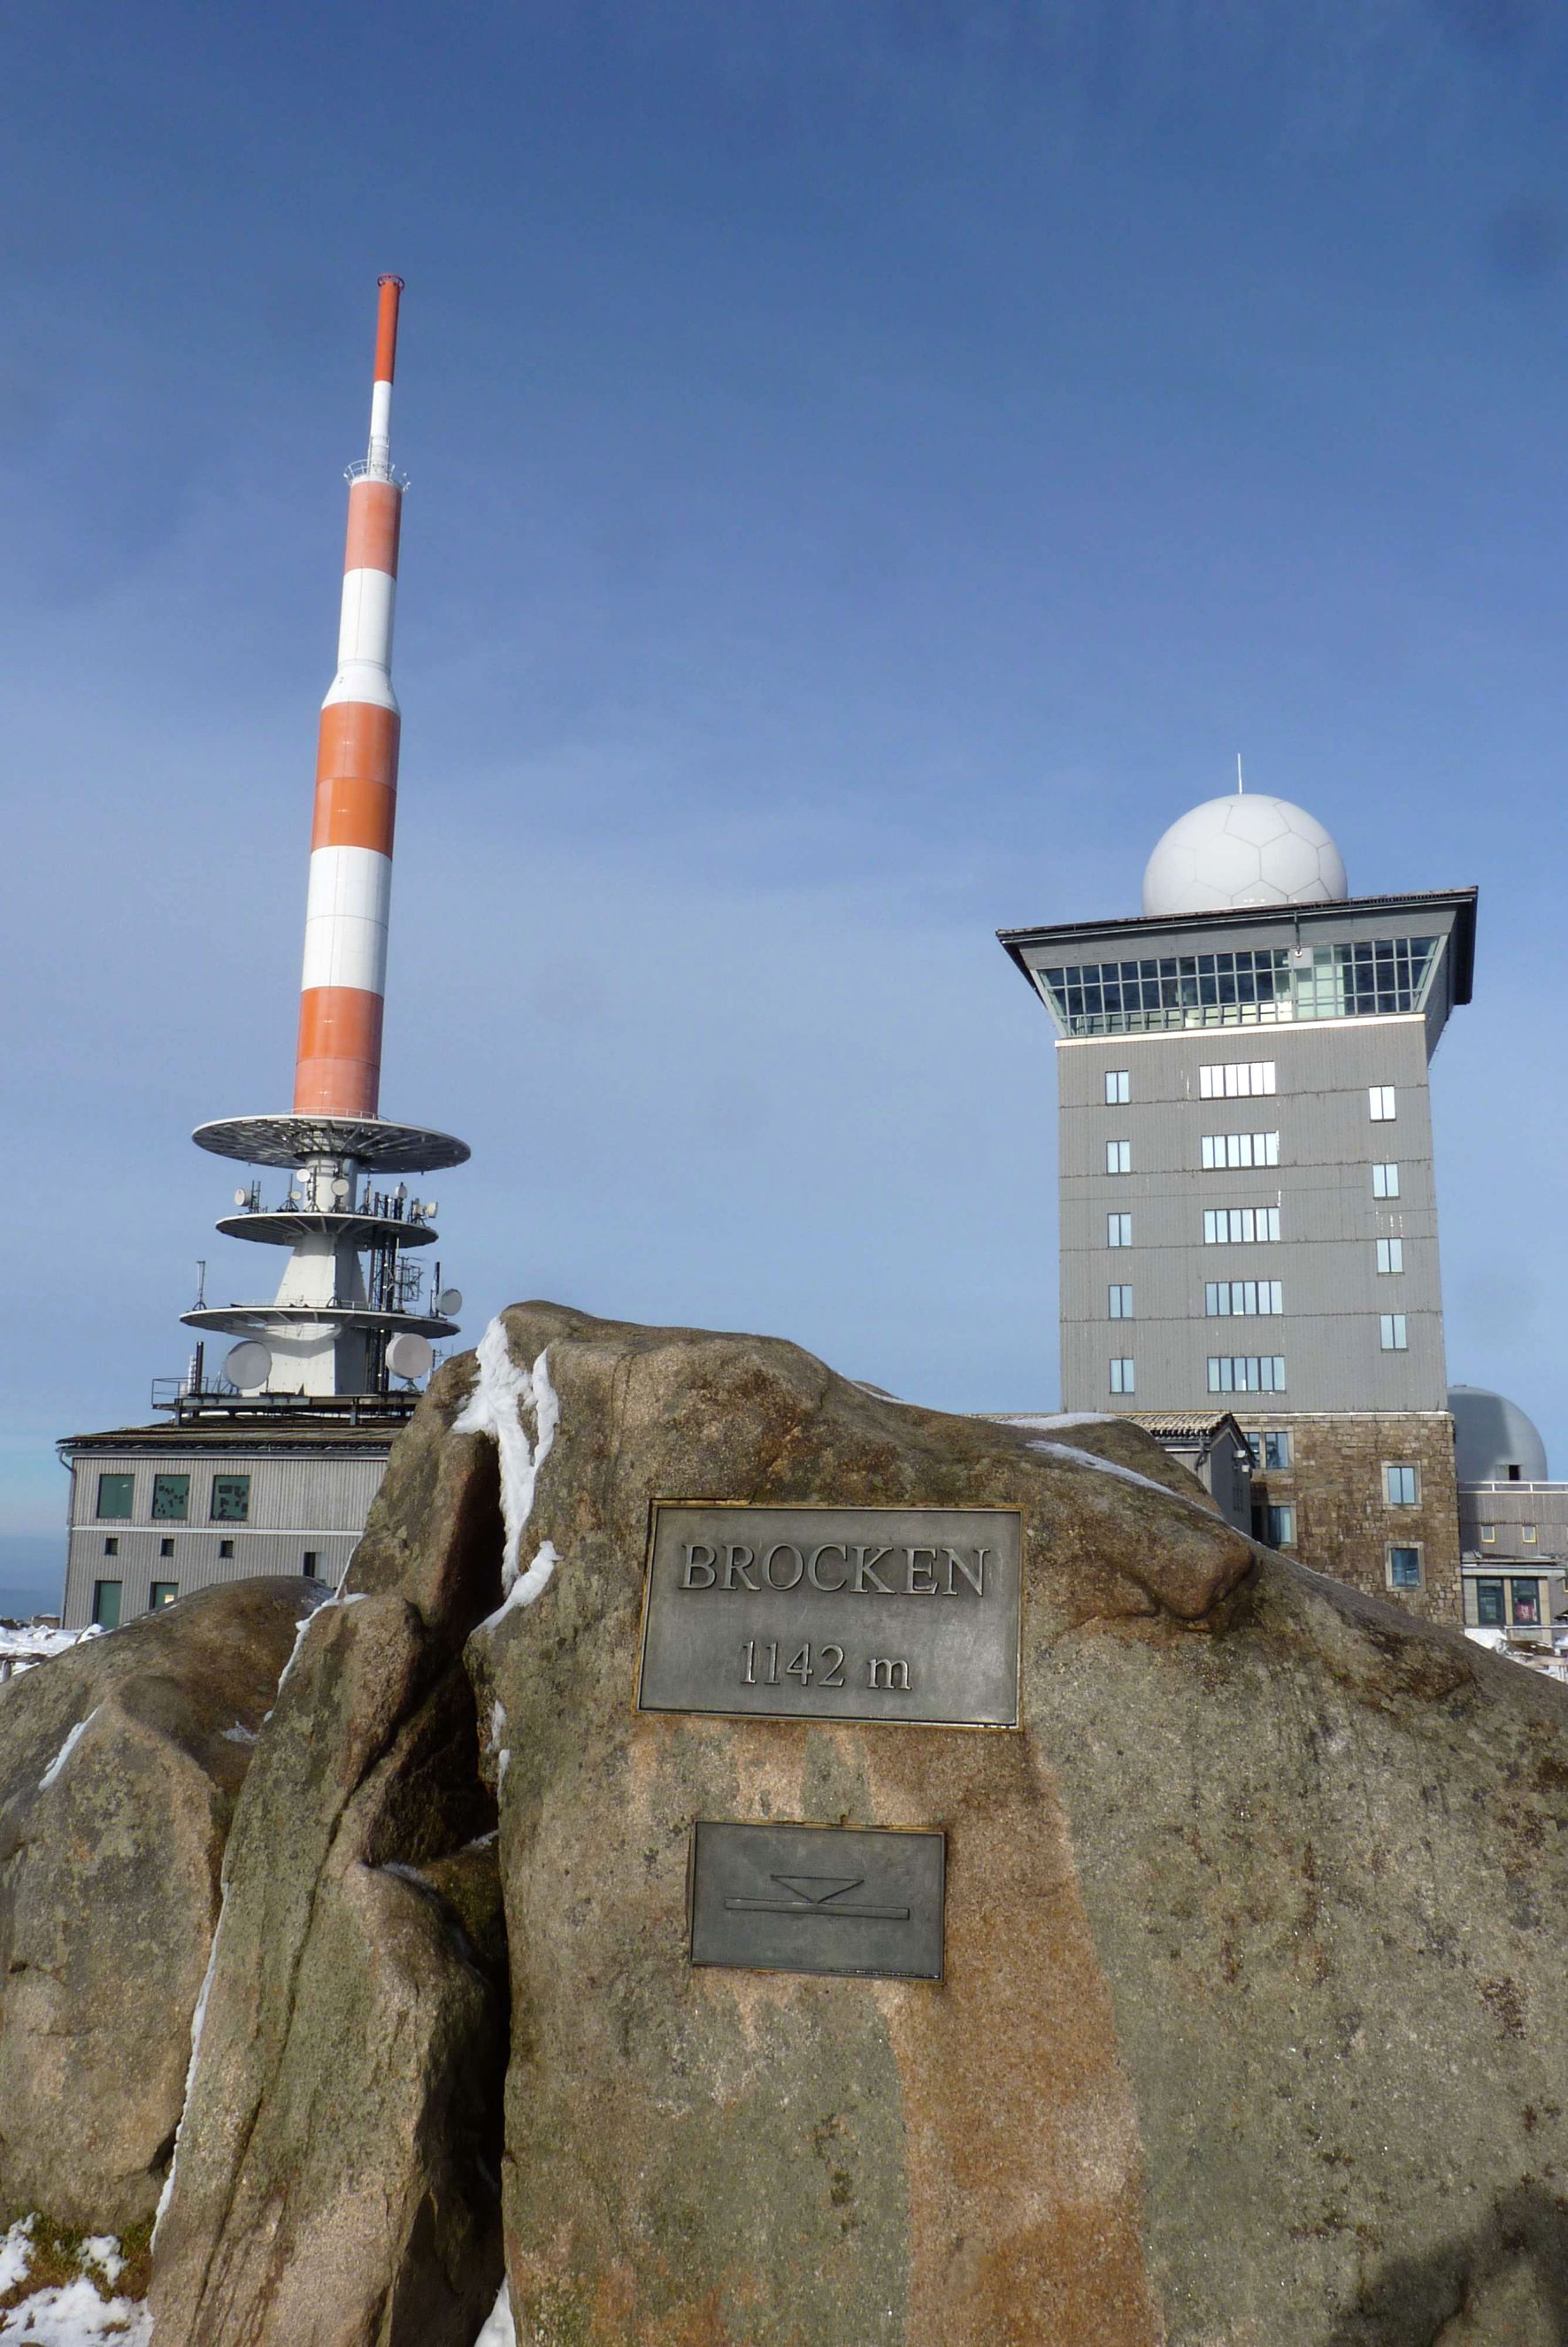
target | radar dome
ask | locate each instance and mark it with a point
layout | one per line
(1246, 849)
(1494, 1442)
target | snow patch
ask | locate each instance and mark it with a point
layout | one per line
(197, 2018)
(66, 1749)
(1124, 1474)
(15, 2248)
(73, 2313)
(501, 1392)
(1058, 1418)
(498, 2330)
(239, 1734)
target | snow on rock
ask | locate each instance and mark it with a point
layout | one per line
(1111, 1467)
(501, 1393)
(74, 2314)
(498, 2330)
(65, 1750)
(1061, 1417)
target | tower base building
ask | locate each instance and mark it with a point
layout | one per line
(1247, 1206)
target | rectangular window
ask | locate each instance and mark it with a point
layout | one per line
(1385, 1181)
(1118, 1157)
(1393, 1333)
(165, 1548)
(1118, 1230)
(1488, 1533)
(1280, 1527)
(1228, 1151)
(1404, 1568)
(1122, 1376)
(1489, 1610)
(163, 1593)
(114, 1495)
(1116, 1087)
(111, 1545)
(106, 1604)
(1400, 1487)
(1276, 1451)
(1390, 1257)
(1224, 1297)
(1121, 1303)
(1240, 1226)
(1381, 1105)
(1526, 1604)
(230, 1499)
(1527, 1534)
(225, 1548)
(1246, 1373)
(308, 1562)
(1236, 1080)
(170, 1499)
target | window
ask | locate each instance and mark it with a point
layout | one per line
(1385, 1181)
(1246, 1373)
(165, 1548)
(1401, 1487)
(1119, 1301)
(106, 1604)
(307, 1565)
(1404, 1568)
(1526, 1604)
(1393, 1333)
(1488, 1533)
(1122, 1376)
(163, 1593)
(1243, 1297)
(1118, 1157)
(1280, 1527)
(1381, 1106)
(1239, 1225)
(111, 1545)
(1270, 1451)
(1118, 1230)
(114, 1495)
(1116, 1087)
(230, 1499)
(1489, 1610)
(225, 1548)
(1527, 1534)
(1249, 986)
(170, 1498)
(1229, 1150)
(1236, 1080)
(1390, 1257)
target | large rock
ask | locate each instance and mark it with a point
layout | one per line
(1253, 2029)
(336, 2181)
(120, 1763)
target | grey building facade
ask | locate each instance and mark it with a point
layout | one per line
(1248, 1210)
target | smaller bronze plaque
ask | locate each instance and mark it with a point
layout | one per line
(818, 1899)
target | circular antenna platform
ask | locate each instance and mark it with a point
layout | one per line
(247, 1366)
(450, 1303)
(408, 1356)
(370, 1141)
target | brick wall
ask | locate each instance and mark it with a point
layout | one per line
(1344, 1524)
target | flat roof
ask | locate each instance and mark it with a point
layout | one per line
(298, 1435)
(1461, 902)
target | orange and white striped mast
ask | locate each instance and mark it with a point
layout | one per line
(350, 1314)
(337, 1065)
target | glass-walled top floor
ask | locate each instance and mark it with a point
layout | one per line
(1260, 986)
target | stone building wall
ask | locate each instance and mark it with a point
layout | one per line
(1344, 1523)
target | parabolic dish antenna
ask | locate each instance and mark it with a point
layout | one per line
(408, 1356)
(247, 1366)
(450, 1303)
(241, 1198)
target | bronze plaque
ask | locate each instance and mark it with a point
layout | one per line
(818, 1899)
(887, 1615)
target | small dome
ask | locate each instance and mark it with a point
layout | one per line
(1246, 849)
(1494, 1442)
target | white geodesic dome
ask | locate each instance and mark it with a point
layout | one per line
(1246, 849)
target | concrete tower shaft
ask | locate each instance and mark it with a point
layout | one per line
(337, 1067)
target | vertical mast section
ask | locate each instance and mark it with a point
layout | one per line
(337, 1068)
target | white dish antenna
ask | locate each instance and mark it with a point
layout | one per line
(247, 1366)
(450, 1303)
(339, 1186)
(431, 1210)
(241, 1198)
(408, 1356)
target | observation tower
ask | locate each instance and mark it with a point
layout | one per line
(352, 1312)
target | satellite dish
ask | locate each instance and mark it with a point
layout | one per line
(450, 1303)
(408, 1356)
(430, 1210)
(401, 1191)
(247, 1366)
(339, 1186)
(241, 1198)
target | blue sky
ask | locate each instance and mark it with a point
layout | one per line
(873, 468)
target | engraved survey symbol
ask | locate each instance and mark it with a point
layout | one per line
(819, 1894)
